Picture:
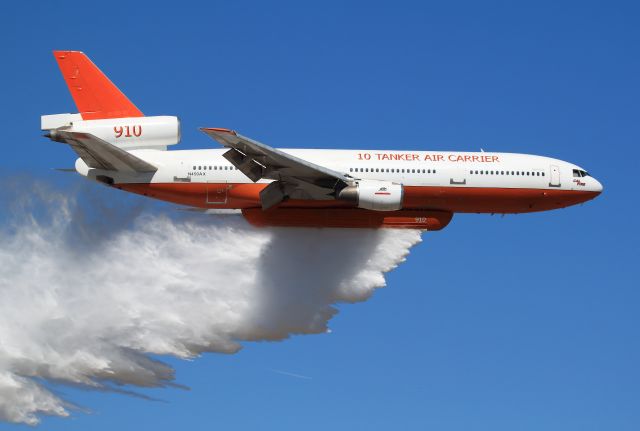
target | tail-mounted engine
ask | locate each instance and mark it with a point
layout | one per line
(374, 195)
(126, 133)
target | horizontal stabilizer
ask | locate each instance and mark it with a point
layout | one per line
(99, 154)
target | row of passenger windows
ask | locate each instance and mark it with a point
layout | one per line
(407, 171)
(214, 168)
(394, 171)
(523, 173)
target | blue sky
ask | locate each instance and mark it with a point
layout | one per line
(523, 322)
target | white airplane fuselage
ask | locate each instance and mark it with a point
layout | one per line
(432, 180)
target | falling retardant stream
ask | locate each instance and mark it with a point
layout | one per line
(88, 291)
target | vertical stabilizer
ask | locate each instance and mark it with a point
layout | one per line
(94, 94)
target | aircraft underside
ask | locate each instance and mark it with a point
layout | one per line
(429, 208)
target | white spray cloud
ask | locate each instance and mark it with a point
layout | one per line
(87, 293)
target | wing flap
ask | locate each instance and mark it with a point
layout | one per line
(294, 177)
(277, 163)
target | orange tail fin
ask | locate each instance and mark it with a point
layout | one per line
(95, 95)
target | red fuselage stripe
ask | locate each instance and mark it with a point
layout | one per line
(453, 199)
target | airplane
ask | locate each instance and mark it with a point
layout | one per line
(120, 147)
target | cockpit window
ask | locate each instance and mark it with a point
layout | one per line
(576, 173)
(580, 173)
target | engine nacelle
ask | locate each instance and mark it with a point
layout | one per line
(127, 133)
(374, 195)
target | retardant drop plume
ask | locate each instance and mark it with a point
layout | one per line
(88, 291)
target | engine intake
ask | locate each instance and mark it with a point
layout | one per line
(374, 195)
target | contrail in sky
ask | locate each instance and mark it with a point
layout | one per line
(287, 373)
(87, 291)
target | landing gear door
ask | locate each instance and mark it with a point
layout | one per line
(217, 193)
(554, 178)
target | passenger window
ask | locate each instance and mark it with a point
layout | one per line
(194, 168)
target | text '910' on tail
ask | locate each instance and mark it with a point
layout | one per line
(105, 112)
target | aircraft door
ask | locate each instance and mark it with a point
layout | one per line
(217, 193)
(554, 179)
(458, 176)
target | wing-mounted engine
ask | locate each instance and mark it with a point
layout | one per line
(374, 195)
(126, 133)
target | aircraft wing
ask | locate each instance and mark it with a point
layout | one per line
(294, 177)
(99, 154)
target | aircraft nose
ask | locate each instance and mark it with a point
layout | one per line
(597, 186)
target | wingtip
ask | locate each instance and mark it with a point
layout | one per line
(218, 130)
